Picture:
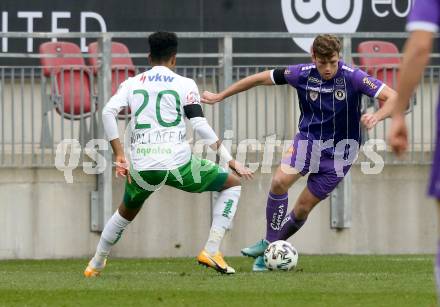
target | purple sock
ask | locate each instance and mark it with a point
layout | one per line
(290, 226)
(275, 212)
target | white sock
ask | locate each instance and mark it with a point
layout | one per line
(216, 235)
(224, 211)
(110, 235)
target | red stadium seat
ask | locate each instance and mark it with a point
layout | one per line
(383, 68)
(70, 87)
(122, 67)
(70, 79)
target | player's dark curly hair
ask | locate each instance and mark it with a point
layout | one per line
(163, 45)
(325, 46)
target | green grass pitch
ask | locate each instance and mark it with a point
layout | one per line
(317, 281)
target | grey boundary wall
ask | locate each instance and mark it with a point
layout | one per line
(41, 216)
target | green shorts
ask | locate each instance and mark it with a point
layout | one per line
(196, 176)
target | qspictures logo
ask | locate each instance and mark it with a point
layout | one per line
(336, 16)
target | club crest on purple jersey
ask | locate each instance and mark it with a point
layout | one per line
(313, 95)
(340, 94)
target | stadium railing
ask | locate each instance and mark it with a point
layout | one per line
(253, 117)
(257, 114)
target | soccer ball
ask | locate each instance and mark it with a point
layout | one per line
(280, 255)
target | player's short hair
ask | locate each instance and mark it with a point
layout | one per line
(325, 46)
(163, 45)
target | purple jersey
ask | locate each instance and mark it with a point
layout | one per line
(331, 109)
(425, 16)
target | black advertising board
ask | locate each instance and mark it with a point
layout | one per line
(299, 16)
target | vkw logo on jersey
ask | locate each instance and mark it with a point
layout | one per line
(313, 95)
(369, 83)
(320, 16)
(340, 94)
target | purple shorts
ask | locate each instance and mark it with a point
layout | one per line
(434, 186)
(325, 171)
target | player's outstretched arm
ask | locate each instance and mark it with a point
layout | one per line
(193, 111)
(262, 78)
(204, 130)
(415, 57)
(386, 96)
(122, 166)
(109, 113)
(111, 130)
(236, 166)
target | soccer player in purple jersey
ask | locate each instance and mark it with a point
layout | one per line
(329, 93)
(423, 23)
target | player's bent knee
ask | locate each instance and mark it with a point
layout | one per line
(232, 181)
(279, 186)
(128, 213)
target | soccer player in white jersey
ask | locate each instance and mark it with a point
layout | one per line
(159, 100)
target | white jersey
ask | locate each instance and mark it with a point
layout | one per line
(156, 99)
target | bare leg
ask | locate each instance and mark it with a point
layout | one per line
(127, 213)
(304, 204)
(282, 180)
